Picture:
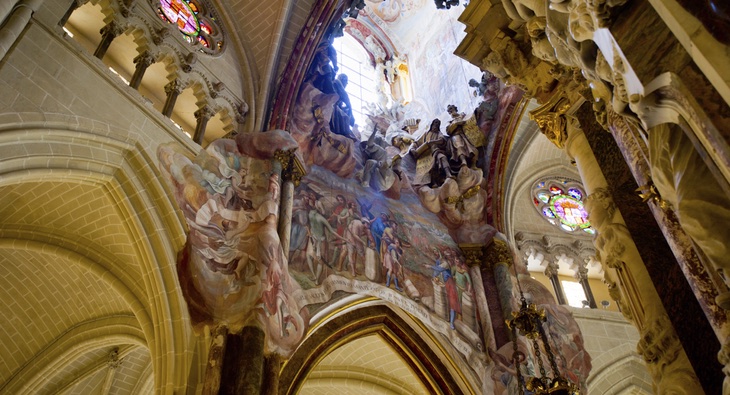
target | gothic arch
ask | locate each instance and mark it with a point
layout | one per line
(140, 227)
(435, 369)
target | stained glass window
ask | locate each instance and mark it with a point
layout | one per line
(562, 209)
(196, 20)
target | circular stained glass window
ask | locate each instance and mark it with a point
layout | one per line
(570, 211)
(196, 20)
(562, 209)
(179, 13)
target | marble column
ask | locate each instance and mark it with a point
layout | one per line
(495, 273)
(108, 34)
(292, 172)
(551, 271)
(216, 355)
(272, 368)
(476, 301)
(142, 62)
(581, 274)
(659, 344)
(243, 362)
(203, 115)
(173, 90)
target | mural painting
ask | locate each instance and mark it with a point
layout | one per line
(233, 271)
(347, 238)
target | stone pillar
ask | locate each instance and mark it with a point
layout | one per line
(272, 367)
(73, 7)
(581, 274)
(551, 271)
(498, 288)
(292, 172)
(659, 345)
(108, 34)
(216, 355)
(243, 362)
(142, 61)
(16, 18)
(203, 115)
(173, 90)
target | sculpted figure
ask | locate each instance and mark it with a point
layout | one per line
(378, 172)
(432, 160)
(461, 151)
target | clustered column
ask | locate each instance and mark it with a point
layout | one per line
(659, 344)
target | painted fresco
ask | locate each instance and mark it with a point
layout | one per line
(346, 237)
(233, 271)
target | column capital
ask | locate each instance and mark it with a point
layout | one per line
(498, 252)
(551, 270)
(174, 86)
(292, 168)
(144, 59)
(473, 253)
(552, 120)
(581, 273)
(112, 28)
(206, 112)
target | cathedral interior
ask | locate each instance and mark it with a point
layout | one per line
(364, 196)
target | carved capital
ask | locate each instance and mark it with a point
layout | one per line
(659, 343)
(498, 252)
(552, 269)
(206, 112)
(174, 86)
(145, 59)
(581, 273)
(473, 253)
(113, 29)
(291, 168)
(551, 119)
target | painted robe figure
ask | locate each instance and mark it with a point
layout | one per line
(442, 275)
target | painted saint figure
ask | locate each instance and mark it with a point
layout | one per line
(443, 276)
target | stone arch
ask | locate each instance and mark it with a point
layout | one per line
(619, 370)
(119, 168)
(424, 354)
(85, 337)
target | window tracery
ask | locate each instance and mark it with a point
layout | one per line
(197, 22)
(560, 202)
